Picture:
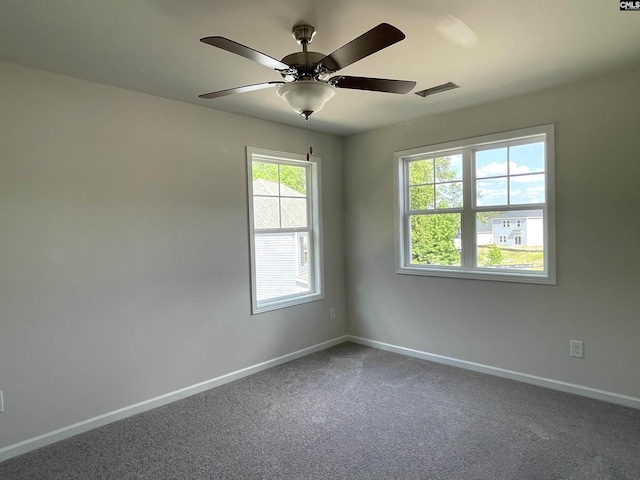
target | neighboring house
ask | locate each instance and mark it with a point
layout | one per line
(280, 256)
(517, 228)
(484, 235)
(484, 232)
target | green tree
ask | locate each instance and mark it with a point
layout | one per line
(432, 239)
(289, 175)
(434, 185)
(494, 256)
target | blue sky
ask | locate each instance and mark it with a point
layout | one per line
(525, 182)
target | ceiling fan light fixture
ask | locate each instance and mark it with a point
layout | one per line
(306, 96)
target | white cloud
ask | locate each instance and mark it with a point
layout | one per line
(528, 195)
(495, 169)
(492, 169)
(514, 168)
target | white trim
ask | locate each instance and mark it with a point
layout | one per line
(583, 391)
(476, 142)
(95, 422)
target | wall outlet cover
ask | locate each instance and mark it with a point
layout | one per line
(576, 348)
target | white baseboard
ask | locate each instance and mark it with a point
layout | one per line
(611, 397)
(86, 425)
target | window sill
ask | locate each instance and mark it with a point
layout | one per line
(480, 274)
(286, 302)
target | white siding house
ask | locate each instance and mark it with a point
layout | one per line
(484, 232)
(517, 228)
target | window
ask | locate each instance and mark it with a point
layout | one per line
(284, 212)
(479, 208)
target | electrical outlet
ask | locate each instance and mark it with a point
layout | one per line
(332, 313)
(576, 348)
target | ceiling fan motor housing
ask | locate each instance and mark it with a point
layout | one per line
(304, 65)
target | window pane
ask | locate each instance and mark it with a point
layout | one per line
(448, 168)
(491, 163)
(293, 212)
(421, 198)
(266, 212)
(421, 172)
(491, 192)
(265, 178)
(433, 239)
(278, 270)
(449, 195)
(511, 240)
(525, 189)
(294, 180)
(526, 158)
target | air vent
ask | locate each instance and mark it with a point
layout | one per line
(440, 88)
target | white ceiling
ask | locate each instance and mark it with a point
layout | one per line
(491, 48)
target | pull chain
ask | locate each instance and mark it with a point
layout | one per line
(309, 147)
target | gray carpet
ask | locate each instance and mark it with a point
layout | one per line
(353, 412)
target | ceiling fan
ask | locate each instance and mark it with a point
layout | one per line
(308, 83)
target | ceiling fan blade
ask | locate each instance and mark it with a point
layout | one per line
(246, 88)
(370, 42)
(243, 51)
(373, 84)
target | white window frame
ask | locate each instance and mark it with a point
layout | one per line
(313, 229)
(469, 209)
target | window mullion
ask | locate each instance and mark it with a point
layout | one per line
(509, 175)
(468, 217)
(406, 220)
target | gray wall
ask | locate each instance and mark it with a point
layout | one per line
(124, 269)
(525, 328)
